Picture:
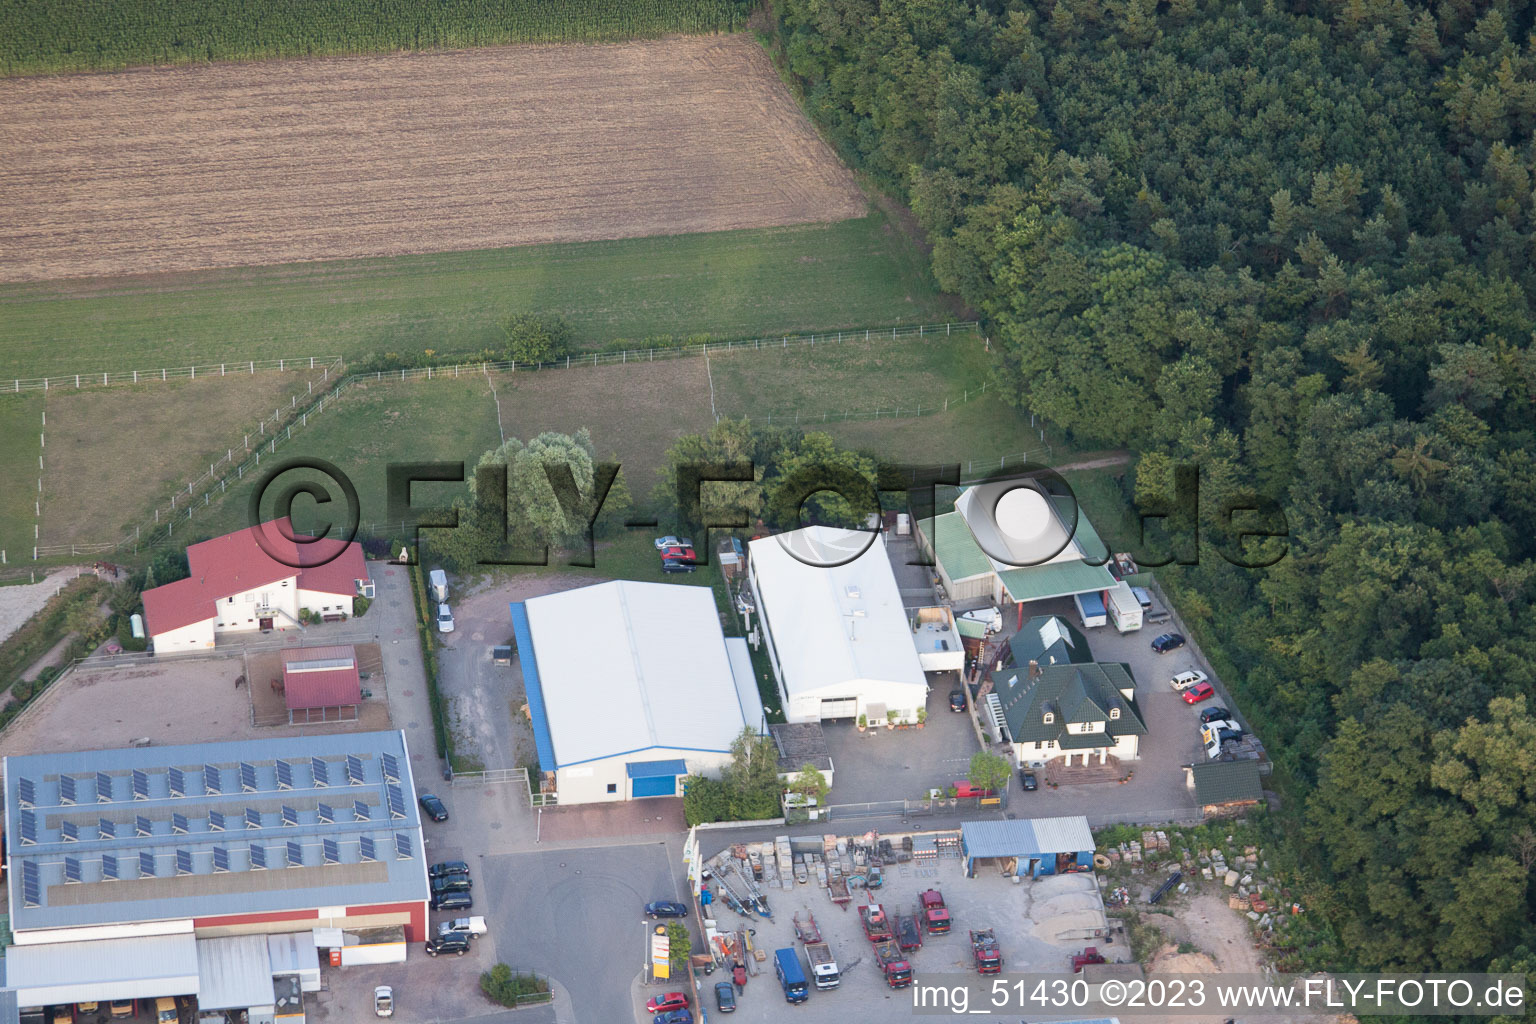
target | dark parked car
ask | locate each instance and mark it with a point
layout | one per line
(1168, 642)
(454, 899)
(725, 997)
(1212, 714)
(957, 699)
(453, 883)
(666, 908)
(673, 1017)
(447, 869)
(433, 807)
(676, 565)
(1028, 781)
(458, 945)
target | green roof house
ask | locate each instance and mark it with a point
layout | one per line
(1084, 712)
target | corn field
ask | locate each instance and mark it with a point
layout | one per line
(44, 36)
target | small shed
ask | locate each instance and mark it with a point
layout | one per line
(1225, 788)
(321, 684)
(1029, 847)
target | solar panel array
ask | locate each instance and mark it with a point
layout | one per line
(176, 786)
(31, 885)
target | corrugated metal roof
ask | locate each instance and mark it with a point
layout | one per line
(962, 558)
(533, 688)
(234, 973)
(997, 838)
(199, 847)
(625, 667)
(836, 625)
(1069, 834)
(293, 952)
(1026, 836)
(333, 652)
(331, 688)
(9, 1010)
(100, 970)
(954, 547)
(745, 678)
(1061, 579)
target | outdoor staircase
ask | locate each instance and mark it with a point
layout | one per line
(1081, 775)
(994, 708)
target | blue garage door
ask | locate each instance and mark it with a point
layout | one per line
(654, 778)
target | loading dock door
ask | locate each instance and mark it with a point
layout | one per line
(654, 778)
(842, 707)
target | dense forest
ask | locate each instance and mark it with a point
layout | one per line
(1290, 244)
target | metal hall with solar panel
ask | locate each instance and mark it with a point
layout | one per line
(209, 870)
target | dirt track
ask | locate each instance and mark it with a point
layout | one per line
(272, 162)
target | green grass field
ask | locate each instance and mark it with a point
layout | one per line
(41, 36)
(21, 421)
(856, 273)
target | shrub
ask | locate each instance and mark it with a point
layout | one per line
(536, 339)
(360, 605)
(501, 985)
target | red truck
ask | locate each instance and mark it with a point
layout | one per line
(935, 914)
(893, 964)
(989, 959)
(908, 935)
(877, 927)
(1091, 955)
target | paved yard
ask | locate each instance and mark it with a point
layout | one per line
(896, 764)
(577, 915)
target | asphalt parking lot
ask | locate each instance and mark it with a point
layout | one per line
(578, 915)
(897, 764)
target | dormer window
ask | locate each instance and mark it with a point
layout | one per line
(1114, 713)
(1049, 717)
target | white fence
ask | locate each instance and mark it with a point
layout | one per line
(164, 373)
(220, 474)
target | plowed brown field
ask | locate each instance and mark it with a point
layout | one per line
(273, 162)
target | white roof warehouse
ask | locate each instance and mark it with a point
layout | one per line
(837, 634)
(630, 686)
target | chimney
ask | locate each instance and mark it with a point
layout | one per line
(1034, 669)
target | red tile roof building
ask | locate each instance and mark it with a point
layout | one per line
(261, 577)
(321, 684)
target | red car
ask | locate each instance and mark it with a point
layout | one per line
(670, 1001)
(964, 788)
(1199, 692)
(680, 554)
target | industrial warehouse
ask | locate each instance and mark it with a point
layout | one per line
(211, 871)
